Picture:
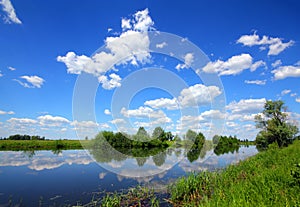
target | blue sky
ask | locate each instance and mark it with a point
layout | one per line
(250, 54)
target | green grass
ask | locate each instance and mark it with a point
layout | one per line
(40, 144)
(268, 179)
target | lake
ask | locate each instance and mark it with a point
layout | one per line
(57, 178)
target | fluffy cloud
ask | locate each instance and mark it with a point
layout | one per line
(192, 96)
(247, 106)
(6, 112)
(188, 60)
(115, 81)
(84, 124)
(233, 66)
(161, 45)
(170, 104)
(283, 72)
(212, 114)
(298, 100)
(107, 112)
(141, 112)
(198, 95)
(31, 81)
(275, 45)
(256, 82)
(157, 122)
(125, 24)
(157, 117)
(118, 121)
(276, 63)
(11, 16)
(49, 120)
(130, 47)
(142, 21)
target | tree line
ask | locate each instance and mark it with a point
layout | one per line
(23, 137)
(141, 139)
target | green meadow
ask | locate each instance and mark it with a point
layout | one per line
(40, 144)
(270, 178)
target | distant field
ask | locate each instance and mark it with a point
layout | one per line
(40, 144)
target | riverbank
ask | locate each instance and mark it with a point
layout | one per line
(15, 145)
(270, 178)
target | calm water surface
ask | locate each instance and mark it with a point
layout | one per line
(44, 178)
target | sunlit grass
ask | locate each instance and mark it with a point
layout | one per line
(263, 180)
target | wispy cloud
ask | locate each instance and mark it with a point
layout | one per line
(256, 82)
(6, 112)
(31, 81)
(274, 44)
(285, 91)
(11, 68)
(11, 16)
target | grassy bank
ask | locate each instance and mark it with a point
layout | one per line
(270, 178)
(40, 144)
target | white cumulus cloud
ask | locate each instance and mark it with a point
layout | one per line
(192, 96)
(247, 106)
(49, 120)
(233, 66)
(197, 95)
(130, 47)
(283, 72)
(11, 16)
(170, 104)
(107, 112)
(275, 45)
(114, 82)
(276, 63)
(188, 60)
(118, 121)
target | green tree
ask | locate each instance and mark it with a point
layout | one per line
(191, 135)
(158, 132)
(142, 132)
(199, 140)
(216, 139)
(274, 125)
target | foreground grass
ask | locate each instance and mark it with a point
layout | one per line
(40, 144)
(270, 178)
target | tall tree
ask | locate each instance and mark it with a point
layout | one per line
(141, 135)
(157, 132)
(274, 125)
(191, 135)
